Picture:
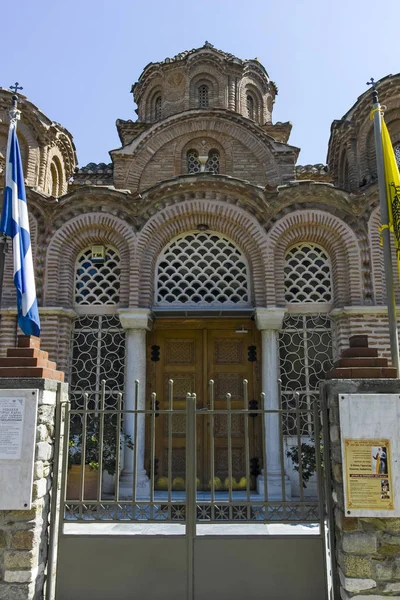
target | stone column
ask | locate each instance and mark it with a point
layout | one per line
(269, 321)
(135, 321)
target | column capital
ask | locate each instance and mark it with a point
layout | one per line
(269, 318)
(135, 318)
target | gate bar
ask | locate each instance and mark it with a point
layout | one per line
(191, 508)
(57, 518)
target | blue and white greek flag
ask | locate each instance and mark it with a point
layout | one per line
(15, 224)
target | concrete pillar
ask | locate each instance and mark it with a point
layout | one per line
(136, 322)
(269, 321)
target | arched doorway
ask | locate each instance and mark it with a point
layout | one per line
(203, 331)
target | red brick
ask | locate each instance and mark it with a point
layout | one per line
(31, 372)
(358, 341)
(28, 341)
(358, 352)
(22, 361)
(361, 362)
(27, 353)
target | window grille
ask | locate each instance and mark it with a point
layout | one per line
(97, 353)
(203, 93)
(157, 108)
(193, 163)
(212, 164)
(202, 270)
(307, 274)
(397, 154)
(250, 107)
(305, 356)
(97, 284)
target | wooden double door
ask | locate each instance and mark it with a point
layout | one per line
(191, 352)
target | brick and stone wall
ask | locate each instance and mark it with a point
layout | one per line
(366, 550)
(25, 534)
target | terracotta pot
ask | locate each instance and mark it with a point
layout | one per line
(74, 483)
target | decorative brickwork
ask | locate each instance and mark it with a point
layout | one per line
(73, 237)
(330, 233)
(231, 221)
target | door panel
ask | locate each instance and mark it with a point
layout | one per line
(191, 357)
(181, 361)
(228, 366)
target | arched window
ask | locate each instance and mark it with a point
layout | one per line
(396, 149)
(56, 177)
(97, 283)
(250, 107)
(54, 180)
(307, 275)
(157, 108)
(202, 270)
(212, 165)
(193, 162)
(203, 96)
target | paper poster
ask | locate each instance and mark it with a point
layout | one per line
(368, 474)
(11, 427)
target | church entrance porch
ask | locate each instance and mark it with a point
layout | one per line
(210, 358)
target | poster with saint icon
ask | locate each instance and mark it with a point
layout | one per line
(368, 474)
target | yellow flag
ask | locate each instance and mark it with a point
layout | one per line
(392, 177)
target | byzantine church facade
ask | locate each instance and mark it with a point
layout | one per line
(203, 250)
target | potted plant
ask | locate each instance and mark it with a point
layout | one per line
(92, 457)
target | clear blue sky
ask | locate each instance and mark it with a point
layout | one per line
(78, 59)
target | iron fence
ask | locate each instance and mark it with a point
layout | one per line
(99, 447)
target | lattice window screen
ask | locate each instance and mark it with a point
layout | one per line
(212, 164)
(396, 149)
(307, 274)
(202, 270)
(193, 163)
(305, 356)
(157, 108)
(97, 283)
(203, 96)
(250, 107)
(97, 353)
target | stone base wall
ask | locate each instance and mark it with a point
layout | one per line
(367, 550)
(24, 534)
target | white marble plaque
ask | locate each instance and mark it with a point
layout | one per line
(18, 417)
(369, 426)
(11, 427)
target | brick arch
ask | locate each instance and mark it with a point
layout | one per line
(194, 126)
(329, 232)
(377, 261)
(75, 235)
(229, 220)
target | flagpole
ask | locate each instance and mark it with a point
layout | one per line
(385, 231)
(14, 114)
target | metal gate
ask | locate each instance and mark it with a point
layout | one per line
(228, 542)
